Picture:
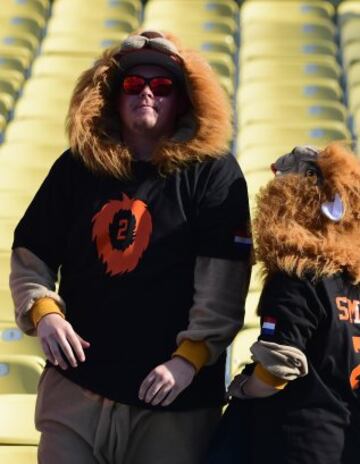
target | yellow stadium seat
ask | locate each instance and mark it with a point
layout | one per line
(286, 69)
(306, 89)
(69, 24)
(53, 109)
(47, 86)
(354, 98)
(224, 43)
(14, 342)
(78, 44)
(12, 430)
(19, 374)
(24, 154)
(222, 63)
(33, 131)
(10, 37)
(357, 122)
(7, 226)
(348, 11)
(16, 78)
(22, 24)
(13, 13)
(2, 123)
(287, 28)
(6, 307)
(350, 31)
(351, 54)
(60, 65)
(183, 24)
(13, 454)
(3, 110)
(240, 349)
(22, 54)
(27, 6)
(20, 179)
(293, 134)
(300, 111)
(304, 10)
(91, 7)
(277, 48)
(18, 42)
(83, 10)
(251, 317)
(353, 75)
(204, 9)
(12, 62)
(12, 204)
(4, 267)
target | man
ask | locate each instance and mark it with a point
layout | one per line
(146, 216)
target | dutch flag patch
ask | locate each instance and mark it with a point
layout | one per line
(268, 326)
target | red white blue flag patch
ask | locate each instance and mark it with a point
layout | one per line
(268, 326)
(241, 238)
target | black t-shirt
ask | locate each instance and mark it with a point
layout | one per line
(126, 252)
(315, 419)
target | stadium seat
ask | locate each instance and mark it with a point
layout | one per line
(7, 227)
(14, 342)
(224, 43)
(304, 10)
(60, 65)
(21, 24)
(288, 28)
(6, 307)
(251, 318)
(82, 45)
(240, 349)
(12, 430)
(350, 31)
(19, 374)
(24, 154)
(353, 75)
(300, 111)
(205, 9)
(320, 134)
(13, 454)
(351, 54)
(33, 130)
(303, 89)
(277, 48)
(20, 179)
(284, 69)
(354, 98)
(70, 24)
(92, 7)
(26, 6)
(180, 25)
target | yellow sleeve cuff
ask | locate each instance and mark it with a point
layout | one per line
(265, 376)
(42, 307)
(196, 352)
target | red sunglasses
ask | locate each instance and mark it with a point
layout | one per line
(160, 86)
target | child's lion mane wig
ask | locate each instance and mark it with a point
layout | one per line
(292, 234)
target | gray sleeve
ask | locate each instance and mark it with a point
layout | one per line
(283, 361)
(217, 313)
(30, 279)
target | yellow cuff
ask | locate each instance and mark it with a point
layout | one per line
(197, 353)
(42, 307)
(265, 376)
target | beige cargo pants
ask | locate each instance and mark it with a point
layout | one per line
(80, 427)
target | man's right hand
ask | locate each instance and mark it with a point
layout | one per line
(55, 333)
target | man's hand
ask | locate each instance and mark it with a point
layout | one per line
(164, 383)
(55, 333)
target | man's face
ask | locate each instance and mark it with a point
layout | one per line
(146, 113)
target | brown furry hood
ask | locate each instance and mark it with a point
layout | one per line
(93, 123)
(292, 234)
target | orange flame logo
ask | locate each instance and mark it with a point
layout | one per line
(121, 231)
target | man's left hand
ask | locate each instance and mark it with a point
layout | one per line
(164, 383)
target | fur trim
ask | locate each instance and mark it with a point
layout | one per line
(291, 233)
(93, 123)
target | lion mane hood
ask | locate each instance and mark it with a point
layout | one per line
(291, 233)
(93, 124)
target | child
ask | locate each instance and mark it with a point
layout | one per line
(299, 402)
